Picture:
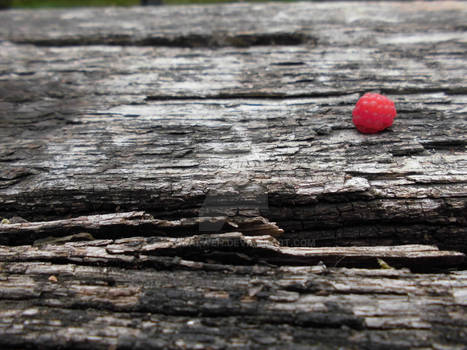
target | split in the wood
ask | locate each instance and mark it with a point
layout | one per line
(182, 40)
(118, 225)
(98, 307)
(229, 248)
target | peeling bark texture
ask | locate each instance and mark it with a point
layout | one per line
(189, 177)
(213, 247)
(133, 223)
(219, 306)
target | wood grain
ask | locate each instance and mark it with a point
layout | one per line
(149, 155)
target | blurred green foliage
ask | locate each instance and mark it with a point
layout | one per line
(72, 3)
(75, 3)
(5, 4)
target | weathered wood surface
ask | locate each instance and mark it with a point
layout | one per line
(100, 128)
(133, 223)
(184, 305)
(227, 247)
(225, 124)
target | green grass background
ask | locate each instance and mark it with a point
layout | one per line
(75, 3)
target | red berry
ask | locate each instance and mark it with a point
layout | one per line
(373, 113)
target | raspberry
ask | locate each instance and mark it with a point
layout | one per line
(373, 113)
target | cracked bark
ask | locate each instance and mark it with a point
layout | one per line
(144, 167)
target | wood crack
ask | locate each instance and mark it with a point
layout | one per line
(229, 248)
(182, 41)
(226, 199)
(128, 224)
(251, 96)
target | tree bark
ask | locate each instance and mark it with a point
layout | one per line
(182, 304)
(190, 177)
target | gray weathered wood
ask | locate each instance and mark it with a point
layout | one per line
(132, 223)
(101, 127)
(146, 152)
(201, 305)
(223, 247)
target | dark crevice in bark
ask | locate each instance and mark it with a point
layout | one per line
(249, 96)
(451, 145)
(285, 96)
(455, 90)
(188, 41)
(244, 261)
(333, 219)
(233, 249)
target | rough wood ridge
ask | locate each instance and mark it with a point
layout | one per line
(181, 304)
(179, 132)
(250, 240)
(189, 177)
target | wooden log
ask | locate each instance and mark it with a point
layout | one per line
(141, 133)
(218, 306)
(149, 155)
(229, 247)
(129, 224)
(339, 187)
